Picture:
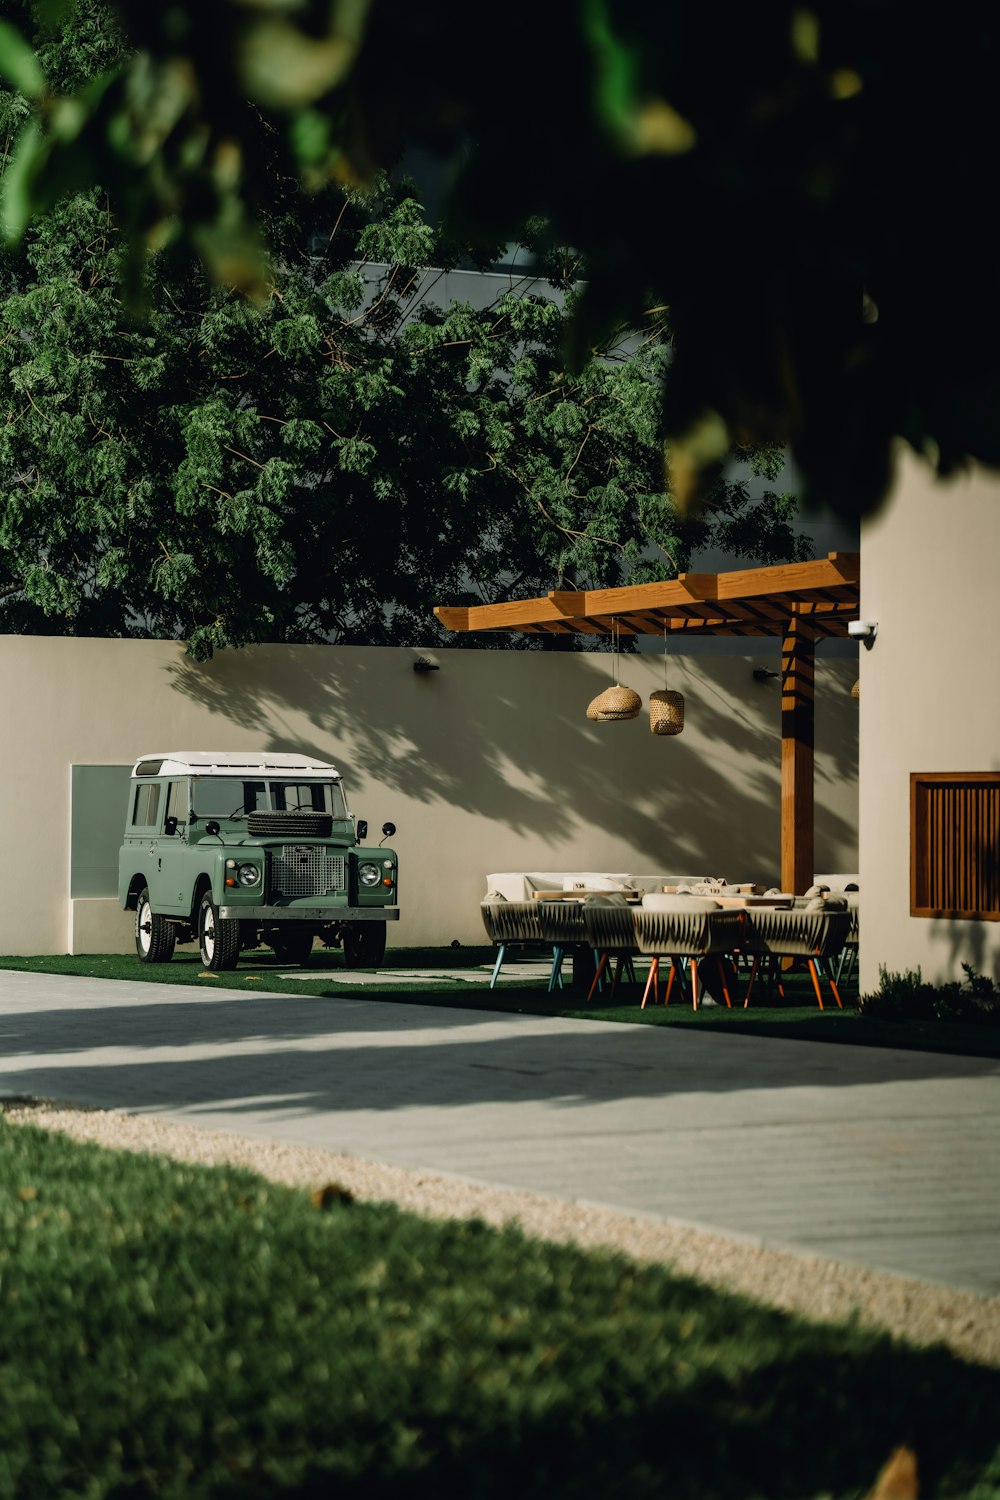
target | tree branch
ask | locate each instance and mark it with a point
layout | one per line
(586, 439)
(606, 541)
(236, 452)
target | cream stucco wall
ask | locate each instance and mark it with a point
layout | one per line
(930, 576)
(487, 764)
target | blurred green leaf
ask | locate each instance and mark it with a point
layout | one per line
(30, 150)
(283, 67)
(617, 69)
(310, 136)
(234, 257)
(18, 63)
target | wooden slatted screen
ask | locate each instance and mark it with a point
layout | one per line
(955, 844)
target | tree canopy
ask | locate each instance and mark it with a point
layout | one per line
(331, 461)
(802, 184)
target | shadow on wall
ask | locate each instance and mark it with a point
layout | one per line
(968, 942)
(507, 739)
(836, 765)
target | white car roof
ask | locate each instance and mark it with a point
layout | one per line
(230, 763)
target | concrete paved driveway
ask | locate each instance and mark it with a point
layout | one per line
(883, 1158)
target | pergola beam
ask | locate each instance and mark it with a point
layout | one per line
(762, 599)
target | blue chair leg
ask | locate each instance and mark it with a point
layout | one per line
(556, 975)
(496, 966)
(848, 958)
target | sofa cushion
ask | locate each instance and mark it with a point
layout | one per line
(655, 901)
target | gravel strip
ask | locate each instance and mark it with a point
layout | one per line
(922, 1312)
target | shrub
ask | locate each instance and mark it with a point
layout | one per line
(899, 997)
(909, 997)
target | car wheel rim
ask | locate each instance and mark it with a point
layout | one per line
(144, 926)
(208, 936)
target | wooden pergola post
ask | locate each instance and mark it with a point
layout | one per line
(798, 677)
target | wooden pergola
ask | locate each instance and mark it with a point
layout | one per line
(800, 602)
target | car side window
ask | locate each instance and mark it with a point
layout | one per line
(177, 807)
(146, 805)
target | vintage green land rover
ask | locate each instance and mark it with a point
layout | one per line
(239, 850)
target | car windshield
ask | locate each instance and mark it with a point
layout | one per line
(225, 797)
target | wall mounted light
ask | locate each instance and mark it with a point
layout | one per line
(423, 665)
(863, 630)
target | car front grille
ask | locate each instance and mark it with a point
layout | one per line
(306, 870)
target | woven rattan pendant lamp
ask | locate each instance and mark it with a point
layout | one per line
(666, 708)
(617, 701)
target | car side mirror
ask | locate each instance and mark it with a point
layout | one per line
(170, 826)
(212, 828)
(388, 829)
(361, 827)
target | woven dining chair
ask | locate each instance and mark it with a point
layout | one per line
(552, 927)
(684, 927)
(815, 932)
(607, 922)
(847, 962)
(561, 924)
(512, 924)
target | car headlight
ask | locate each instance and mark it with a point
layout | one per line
(369, 874)
(248, 874)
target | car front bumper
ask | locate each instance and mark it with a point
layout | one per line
(309, 913)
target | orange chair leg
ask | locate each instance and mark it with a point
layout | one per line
(815, 979)
(670, 982)
(652, 983)
(753, 976)
(597, 976)
(833, 985)
(694, 984)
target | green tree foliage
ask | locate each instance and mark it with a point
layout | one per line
(328, 465)
(329, 461)
(803, 184)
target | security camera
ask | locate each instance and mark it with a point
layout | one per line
(862, 630)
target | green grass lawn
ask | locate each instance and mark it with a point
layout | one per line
(179, 1332)
(796, 1017)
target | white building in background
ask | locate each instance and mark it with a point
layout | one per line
(929, 733)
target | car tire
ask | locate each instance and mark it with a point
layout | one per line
(154, 935)
(364, 944)
(218, 938)
(292, 946)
